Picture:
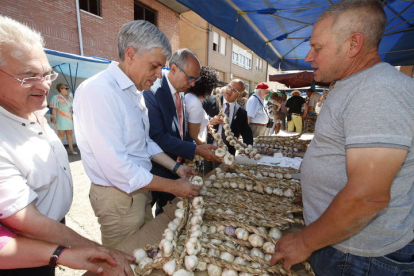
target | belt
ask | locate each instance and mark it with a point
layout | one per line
(296, 114)
(257, 124)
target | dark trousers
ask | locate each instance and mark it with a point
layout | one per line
(33, 271)
(160, 199)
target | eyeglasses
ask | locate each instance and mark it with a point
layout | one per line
(190, 78)
(31, 81)
(232, 89)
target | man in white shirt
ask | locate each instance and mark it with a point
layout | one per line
(256, 110)
(35, 181)
(112, 132)
(313, 99)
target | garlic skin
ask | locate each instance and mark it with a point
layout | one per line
(214, 270)
(269, 247)
(255, 240)
(229, 272)
(275, 233)
(133, 267)
(242, 234)
(190, 262)
(169, 267)
(139, 254)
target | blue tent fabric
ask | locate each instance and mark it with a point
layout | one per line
(73, 66)
(287, 25)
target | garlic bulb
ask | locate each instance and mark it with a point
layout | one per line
(143, 263)
(196, 220)
(139, 254)
(245, 274)
(179, 213)
(219, 152)
(242, 234)
(183, 272)
(180, 204)
(153, 253)
(214, 241)
(227, 257)
(196, 234)
(262, 230)
(201, 266)
(240, 261)
(268, 257)
(197, 202)
(169, 267)
(256, 252)
(168, 234)
(212, 229)
(229, 244)
(195, 228)
(269, 247)
(167, 248)
(228, 159)
(190, 262)
(214, 253)
(234, 185)
(220, 228)
(255, 240)
(277, 191)
(173, 226)
(214, 270)
(275, 233)
(288, 193)
(268, 190)
(177, 221)
(199, 212)
(229, 272)
(230, 231)
(204, 228)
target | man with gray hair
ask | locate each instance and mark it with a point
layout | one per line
(257, 114)
(167, 120)
(112, 131)
(357, 175)
(35, 180)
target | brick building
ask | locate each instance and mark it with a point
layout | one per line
(100, 21)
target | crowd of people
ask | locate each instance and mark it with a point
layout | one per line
(136, 124)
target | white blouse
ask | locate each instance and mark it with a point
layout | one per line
(195, 114)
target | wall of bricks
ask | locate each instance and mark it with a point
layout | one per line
(56, 20)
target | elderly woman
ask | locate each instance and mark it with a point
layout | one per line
(196, 116)
(62, 115)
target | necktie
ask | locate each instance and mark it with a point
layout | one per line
(179, 108)
(227, 112)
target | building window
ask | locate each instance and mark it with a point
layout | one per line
(92, 6)
(223, 45)
(215, 41)
(142, 12)
(235, 57)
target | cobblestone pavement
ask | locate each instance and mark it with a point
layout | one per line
(81, 217)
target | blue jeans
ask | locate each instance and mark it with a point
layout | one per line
(330, 262)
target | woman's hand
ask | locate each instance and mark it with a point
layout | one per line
(54, 121)
(186, 172)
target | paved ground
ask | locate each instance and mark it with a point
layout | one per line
(80, 217)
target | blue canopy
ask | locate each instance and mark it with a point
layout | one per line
(72, 66)
(279, 30)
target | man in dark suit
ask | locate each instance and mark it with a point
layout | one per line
(167, 120)
(237, 115)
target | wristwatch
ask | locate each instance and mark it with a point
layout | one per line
(55, 256)
(175, 169)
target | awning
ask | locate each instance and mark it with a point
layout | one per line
(279, 30)
(72, 66)
(297, 80)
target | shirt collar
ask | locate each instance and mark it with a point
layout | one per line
(38, 113)
(172, 89)
(121, 78)
(231, 104)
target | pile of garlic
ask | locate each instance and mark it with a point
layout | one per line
(288, 146)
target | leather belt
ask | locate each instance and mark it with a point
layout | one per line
(297, 114)
(257, 124)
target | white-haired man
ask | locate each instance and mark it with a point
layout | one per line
(35, 180)
(357, 175)
(112, 131)
(257, 115)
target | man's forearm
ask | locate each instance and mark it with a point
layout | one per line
(164, 160)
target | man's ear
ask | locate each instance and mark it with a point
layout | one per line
(356, 41)
(129, 54)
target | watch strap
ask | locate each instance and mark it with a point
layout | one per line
(177, 165)
(55, 256)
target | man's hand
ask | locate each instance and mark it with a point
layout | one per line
(186, 172)
(88, 258)
(290, 250)
(206, 152)
(123, 260)
(185, 188)
(216, 120)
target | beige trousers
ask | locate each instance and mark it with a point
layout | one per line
(258, 130)
(120, 214)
